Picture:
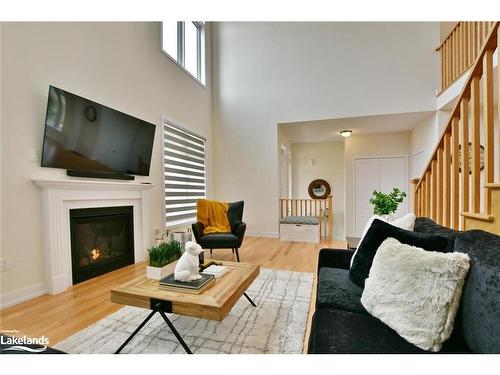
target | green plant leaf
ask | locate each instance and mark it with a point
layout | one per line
(386, 204)
(164, 253)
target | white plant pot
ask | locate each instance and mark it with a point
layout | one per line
(158, 273)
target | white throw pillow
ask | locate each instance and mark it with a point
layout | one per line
(404, 222)
(416, 292)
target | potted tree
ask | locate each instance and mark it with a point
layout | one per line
(160, 256)
(384, 205)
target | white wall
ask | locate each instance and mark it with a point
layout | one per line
(371, 145)
(423, 140)
(118, 64)
(328, 164)
(284, 178)
(267, 73)
(1, 132)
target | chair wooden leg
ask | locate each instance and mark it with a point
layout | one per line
(210, 252)
(237, 255)
(233, 250)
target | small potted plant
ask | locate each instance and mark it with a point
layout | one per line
(385, 205)
(160, 256)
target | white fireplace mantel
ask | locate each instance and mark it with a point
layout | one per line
(60, 196)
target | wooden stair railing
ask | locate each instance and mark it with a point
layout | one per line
(320, 208)
(460, 48)
(449, 191)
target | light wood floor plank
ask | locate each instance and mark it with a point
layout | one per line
(61, 315)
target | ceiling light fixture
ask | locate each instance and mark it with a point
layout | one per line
(345, 133)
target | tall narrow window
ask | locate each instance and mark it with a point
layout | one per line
(185, 174)
(184, 42)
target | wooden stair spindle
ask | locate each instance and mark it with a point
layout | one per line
(476, 125)
(488, 108)
(434, 190)
(447, 181)
(439, 215)
(428, 194)
(455, 174)
(464, 126)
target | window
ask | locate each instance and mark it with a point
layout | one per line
(185, 173)
(184, 42)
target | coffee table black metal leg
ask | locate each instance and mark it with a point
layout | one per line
(170, 325)
(250, 300)
(174, 331)
(135, 332)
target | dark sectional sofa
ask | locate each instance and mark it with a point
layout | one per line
(341, 324)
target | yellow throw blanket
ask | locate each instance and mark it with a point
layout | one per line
(213, 216)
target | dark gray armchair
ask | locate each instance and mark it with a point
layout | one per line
(231, 240)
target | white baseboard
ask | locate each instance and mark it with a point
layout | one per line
(262, 234)
(23, 294)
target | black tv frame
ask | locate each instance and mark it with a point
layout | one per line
(88, 173)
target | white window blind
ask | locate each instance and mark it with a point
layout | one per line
(185, 174)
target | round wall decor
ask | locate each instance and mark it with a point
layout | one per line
(319, 189)
(481, 157)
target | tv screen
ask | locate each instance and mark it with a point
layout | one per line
(84, 135)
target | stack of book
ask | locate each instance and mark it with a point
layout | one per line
(194, 287)
(216, 270)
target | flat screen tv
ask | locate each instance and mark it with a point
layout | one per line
(82, 135)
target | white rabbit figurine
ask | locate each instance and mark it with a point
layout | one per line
(187, 267)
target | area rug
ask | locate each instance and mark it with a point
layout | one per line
(276, 325)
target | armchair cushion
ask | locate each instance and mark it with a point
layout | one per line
(197, 229)
(235, 214)
(219, 241)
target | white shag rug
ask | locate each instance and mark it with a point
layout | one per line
(276, 326)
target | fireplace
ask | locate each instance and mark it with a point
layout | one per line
(102, 240)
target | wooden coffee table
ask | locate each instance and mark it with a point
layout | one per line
(213, 303)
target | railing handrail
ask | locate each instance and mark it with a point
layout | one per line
(322, 208)
(477, 68)
(448, 36)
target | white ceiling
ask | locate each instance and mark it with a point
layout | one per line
(328, 130)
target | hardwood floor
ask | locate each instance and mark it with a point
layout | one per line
(61, 315)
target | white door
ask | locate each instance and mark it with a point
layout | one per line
(381, 174)
(366, 181)
(393, 175)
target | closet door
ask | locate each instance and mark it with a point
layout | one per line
(381, 174)
(367, 179)
(393, 175)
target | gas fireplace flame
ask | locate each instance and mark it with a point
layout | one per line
(94, 254)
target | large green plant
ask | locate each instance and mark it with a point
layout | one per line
(386, 204)
(164, 253)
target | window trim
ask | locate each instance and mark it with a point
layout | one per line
(200, 50)
(166, 121)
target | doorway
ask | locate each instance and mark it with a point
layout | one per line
(381, 174)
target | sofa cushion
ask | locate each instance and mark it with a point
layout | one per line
(378, 232)
(405, 222)
(416, 292)
(337, 291)
(344, 332)
(426, 225)
(479, 313)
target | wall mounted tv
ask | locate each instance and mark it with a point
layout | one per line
(92, 140)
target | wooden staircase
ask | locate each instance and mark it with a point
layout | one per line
(464, 195)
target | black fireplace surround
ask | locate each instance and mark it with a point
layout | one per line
(102, 240)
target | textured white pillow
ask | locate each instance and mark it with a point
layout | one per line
(416, 292)
(404, 222)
